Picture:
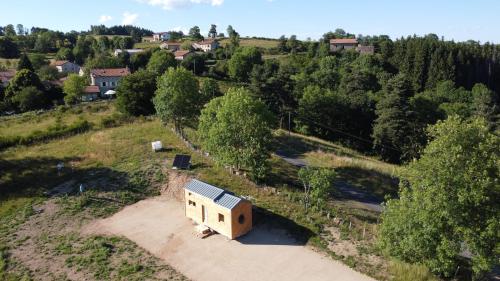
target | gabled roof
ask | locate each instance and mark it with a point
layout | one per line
(181, 53)
(6, 76)
(220, 196)
(91, 90)
(110, 72)
(59, 62)
(206, 41)
(344, 41)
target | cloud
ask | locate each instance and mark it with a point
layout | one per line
(105, 18)
(175, 4)
(129, 18)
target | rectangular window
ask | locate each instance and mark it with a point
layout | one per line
(104, 84)
(221, 218)
(192, 203)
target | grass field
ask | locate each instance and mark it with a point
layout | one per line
(147, 45)
(117, 165)
(249, 42)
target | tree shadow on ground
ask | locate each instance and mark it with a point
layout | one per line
(377, 185)
(272, 229)
(34, 177)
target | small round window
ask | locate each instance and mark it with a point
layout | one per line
(241, 219)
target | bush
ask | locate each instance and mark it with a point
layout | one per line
(408, 272)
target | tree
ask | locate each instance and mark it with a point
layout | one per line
(134, 94)
(213, 31)
(73, 87)
(241, 63)
(45, 42)
(24, 63)
(241, 143)
(177, 99)
(234, 39)
(9, 30)
(47, 73)
(8, 49)
(160, 61)
(195, 63)
(282, 47)
(194, 33)
(448, 200)
(65, 54)
(140, 60)
(392, 131)
(126, 43)
(209, 89)
(20, 29)
(485, 104)
(23, 79)
(292, 44)
(317, 183)
(30, 98)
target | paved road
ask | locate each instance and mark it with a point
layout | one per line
(347, 191)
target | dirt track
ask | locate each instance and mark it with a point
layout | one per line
(159, 226)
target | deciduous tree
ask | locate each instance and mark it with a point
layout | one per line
(134, 94)
(236, 130)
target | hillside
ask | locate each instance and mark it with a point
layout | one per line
(113, 160)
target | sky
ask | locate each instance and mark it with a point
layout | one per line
(458, 20)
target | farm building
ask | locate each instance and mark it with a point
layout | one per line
(217, 209)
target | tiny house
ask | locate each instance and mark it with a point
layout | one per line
(217, 209)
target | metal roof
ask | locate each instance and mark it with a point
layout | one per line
(227, 200)
(220, 196)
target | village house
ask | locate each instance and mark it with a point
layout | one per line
(65, 66)
(217, 209)
(207, 45)
(181, 55)
(90, 93)
(129, 51)
(161, 36)
(171, 46)
(337, 45)
(107, 78)
(6, 76)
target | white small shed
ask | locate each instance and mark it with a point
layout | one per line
(157, 146)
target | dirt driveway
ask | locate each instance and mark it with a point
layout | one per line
(159, 226)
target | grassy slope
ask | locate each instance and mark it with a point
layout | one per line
(27, 171)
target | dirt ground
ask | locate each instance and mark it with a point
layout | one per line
(159, 226)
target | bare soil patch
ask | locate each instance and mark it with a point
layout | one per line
(266, 253)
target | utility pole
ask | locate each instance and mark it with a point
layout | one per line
(289, 123)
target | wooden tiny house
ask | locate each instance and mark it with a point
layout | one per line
(217, 209)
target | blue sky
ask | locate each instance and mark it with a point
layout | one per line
(459, 20)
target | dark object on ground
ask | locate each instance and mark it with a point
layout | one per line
(181, 162)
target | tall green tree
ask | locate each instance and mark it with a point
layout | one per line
(178, 99)
(241, 63)
(212, 33)
(24, 63)
(73, 88)
(134, 94)
(241, 143)
(8, 49)
(209, 89)
(392, 131)
(195, 34)
(160, 61)
(448, 201)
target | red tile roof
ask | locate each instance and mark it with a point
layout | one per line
(110, 72)
(181, 53)
(59, 62)
(206, 41)
(344, 41)
(6, 76)
(91, 90)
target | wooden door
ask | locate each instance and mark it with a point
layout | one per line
(203, 213)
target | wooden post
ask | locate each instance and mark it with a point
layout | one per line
(289, 123)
